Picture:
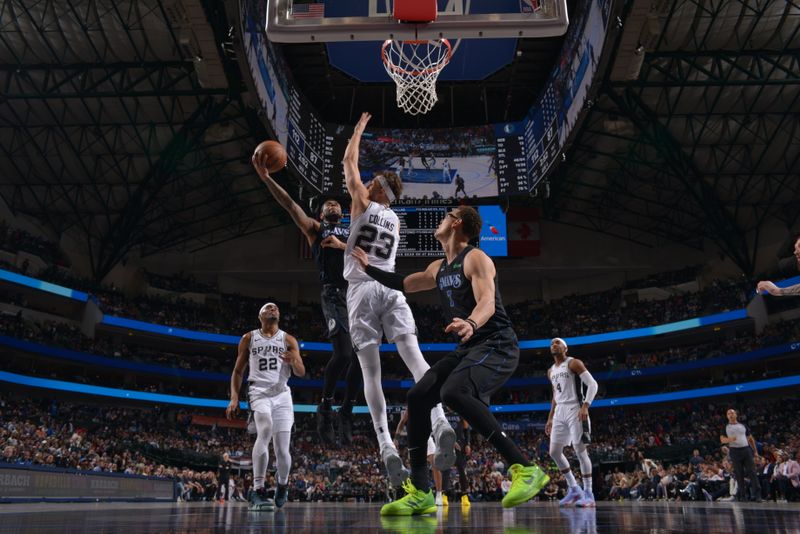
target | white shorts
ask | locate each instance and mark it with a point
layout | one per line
(374, 310)
(279, 406)
(567, 427)
(431, 446)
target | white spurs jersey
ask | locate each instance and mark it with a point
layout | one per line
(268, 372)
(377, 232)
(567, 387)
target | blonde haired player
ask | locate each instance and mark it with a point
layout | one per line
(568, 422)
(273, 355)
(374, 310)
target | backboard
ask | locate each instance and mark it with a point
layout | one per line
(299, 21)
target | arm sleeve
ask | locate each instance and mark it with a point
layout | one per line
(591, 386)
(390, 280)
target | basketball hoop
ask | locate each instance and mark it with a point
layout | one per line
(415, 66)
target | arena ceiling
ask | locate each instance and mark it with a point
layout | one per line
(694, 132)
(128, 124)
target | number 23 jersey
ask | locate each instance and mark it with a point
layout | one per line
(268, 372)
(377, 232)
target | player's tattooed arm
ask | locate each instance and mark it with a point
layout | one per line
(772, 289)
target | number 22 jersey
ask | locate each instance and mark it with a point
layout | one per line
(269, 374)
(377, 232)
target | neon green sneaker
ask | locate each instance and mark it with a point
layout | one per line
(526, 482)
(416, 502)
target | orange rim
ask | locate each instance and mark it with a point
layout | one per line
(395, 68)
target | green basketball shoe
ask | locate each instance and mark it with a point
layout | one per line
(526, 482)
(416, 502)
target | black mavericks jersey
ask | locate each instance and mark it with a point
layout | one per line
(458, 300)
(330, 261)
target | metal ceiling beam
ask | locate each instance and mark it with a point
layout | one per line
(723, 227)
(126, 230)
(107, 80)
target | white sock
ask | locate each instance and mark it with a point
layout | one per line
(283, 458)
(587, 483)
(261, 448)
(571, 482)
(370, 361)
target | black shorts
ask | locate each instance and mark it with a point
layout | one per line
(486, 365)
(334, 308)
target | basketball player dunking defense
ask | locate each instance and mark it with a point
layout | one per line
(465, 379)
(272, 355)
(327, 238)
(375, 310)
(568, 422)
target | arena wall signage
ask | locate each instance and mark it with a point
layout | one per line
(29, 483)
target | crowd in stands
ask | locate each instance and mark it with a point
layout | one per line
(666, 278)
(143, 440)
(18, 240)
(220, 361)
(179, 282)
(706, 476)
(564, 317)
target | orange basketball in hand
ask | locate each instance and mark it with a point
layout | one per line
(275, 155)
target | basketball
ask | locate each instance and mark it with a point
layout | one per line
(276, 155)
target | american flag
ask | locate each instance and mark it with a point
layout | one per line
(308, 11)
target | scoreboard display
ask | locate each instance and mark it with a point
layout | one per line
(310, 146)
(512, 161)
(418, 224)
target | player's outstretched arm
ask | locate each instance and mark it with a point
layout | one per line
(352, 176)
(423, 280)
(237, 375)
(306, 224)
(412, 283)
(772, 289)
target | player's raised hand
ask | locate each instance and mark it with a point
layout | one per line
(462, 328)
(361, 125)
(232, 409)
(361, 257)
(259, 161)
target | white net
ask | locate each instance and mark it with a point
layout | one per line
(415, 66)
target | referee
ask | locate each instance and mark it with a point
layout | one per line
(742, 450)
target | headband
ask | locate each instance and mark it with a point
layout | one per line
(386, 188)
(264, 308)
